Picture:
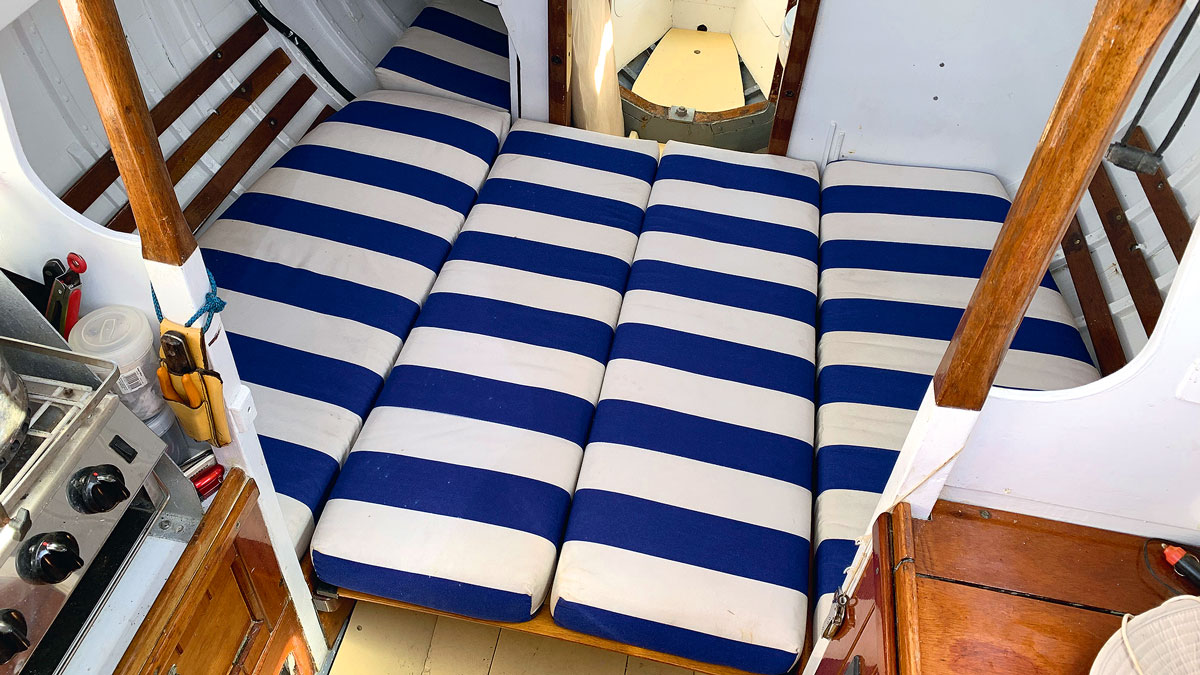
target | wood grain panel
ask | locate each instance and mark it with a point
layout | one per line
(793, 76)
(1116, 49)
(559, 65)
(1143, 289)
(1163, 201)
(325, 113)
(1101, 329)
(908, 646)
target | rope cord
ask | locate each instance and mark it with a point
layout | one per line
(1137, 666)
(212, 305)
(1158, 80)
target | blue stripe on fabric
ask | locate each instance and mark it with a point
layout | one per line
(912, 202)
(630, 163)
(462, 29)
(702, 439)
(438, 127)
(515, 405)
(727, 229)
(724, 289)
(304, 474)
(346, 385)
(938, 323)
(456, 597)
(511, 321)
(739, 177)
(345, 227)
(832, 558)
(309, 290)
(449, 76)
(672, 639)
(872, 386)
(690, 537)
(382, 173)
(455, 491)
(554, 201)
(854, 467)
(712, 357)
(946, 261)
(541, 258)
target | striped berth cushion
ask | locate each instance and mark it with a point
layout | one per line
(901, 252)
(689, 532)
(324, 263)
(457, 49)
(456, 493)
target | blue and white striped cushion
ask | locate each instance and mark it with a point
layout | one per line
(324, 263)
(457, 49)
(456, 493)
(901, 252)
(689, 532)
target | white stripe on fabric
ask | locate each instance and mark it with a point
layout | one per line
(324, 334)
(742, 261)
(323, 256)
(556, 294)
(709, 397)
(470, 442)
(922, 178)
(448, 49)
(504, 360)
(723, 322)
(550, 229)
(737, 203)
(761, 160)
(479, 11)
(872, 426)
(698, 486)
(299, 522)
(645, 146)
(390, 79)
(572, 177)
(639, 585)
(493, 120)
(843, 514)
(979, 234)
(397, 147)
(307, 422)
(441, 546)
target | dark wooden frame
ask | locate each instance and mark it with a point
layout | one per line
(793, 76)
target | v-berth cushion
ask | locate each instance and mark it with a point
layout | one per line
(326, 259)
(457, 49)
(689, 532)
(902, 249)
(456, 492)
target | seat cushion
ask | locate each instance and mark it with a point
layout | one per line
(457, 49)
(456, 493)
(902, 249)
(689, 532)
(324, 263)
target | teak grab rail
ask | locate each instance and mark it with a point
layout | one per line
(1115, 52)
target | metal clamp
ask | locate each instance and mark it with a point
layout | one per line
(838, 616)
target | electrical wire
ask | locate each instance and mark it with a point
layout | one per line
(1162, 75)
(308, 52)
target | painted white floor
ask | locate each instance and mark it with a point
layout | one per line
(388, 641)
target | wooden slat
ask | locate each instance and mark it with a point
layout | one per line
(1101, 328)
(1116, 50)
(1162, 200)
(222, 182)
(1142, 287)
(99, 39)
(325, 113)
(559, 75)
(908, 648)
(101, 175)
(793, 76)
(191, 150)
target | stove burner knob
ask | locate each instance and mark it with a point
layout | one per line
(97, 489)
(49, 558)
(14, 637)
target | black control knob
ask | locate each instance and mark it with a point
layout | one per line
(49, 558)
(14, 636)
(97, 489)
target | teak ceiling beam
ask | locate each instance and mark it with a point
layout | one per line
(100, 42)
(1115, 52)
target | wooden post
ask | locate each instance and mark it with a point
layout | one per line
(100, 42)
(1116, 49)
(559, 51)
(793, 76)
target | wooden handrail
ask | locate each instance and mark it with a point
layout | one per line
(100, 42)
(1115, 52)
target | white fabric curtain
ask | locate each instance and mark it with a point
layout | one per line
(595, 94)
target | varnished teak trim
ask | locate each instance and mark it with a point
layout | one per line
(793, 76)
(1096, 314)
(1163, 202)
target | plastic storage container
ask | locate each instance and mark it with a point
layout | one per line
(166, 427)
(123, 335)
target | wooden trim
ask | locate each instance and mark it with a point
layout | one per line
(1143, 289)
(88, 188)
(649, 106)
(1101, 329)
(793, 76)
(191, 150)
(99, 39)
(700, 117)
(558, 53)
(908, 648)
(1163, 201)
(881, 543)
(1115, 52)
(325, 113)
(543, 624)
(223, 181)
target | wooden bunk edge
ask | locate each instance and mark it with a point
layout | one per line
(543, 624)
(1142, 287)
(1163, 201)
(1096, 313)
(793, 76)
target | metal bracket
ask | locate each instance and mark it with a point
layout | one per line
(837, 617)
(1134, 159)
(181, 514)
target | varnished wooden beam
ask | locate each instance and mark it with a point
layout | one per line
(1114, 53)
(1162, 200)
(99, 40)
(1103, 331)
(1143, 289)
(556, 30)
(325, 114)
(793, 76)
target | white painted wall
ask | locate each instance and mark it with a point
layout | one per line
(637, 24)
(755, 32)
(717, 15)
